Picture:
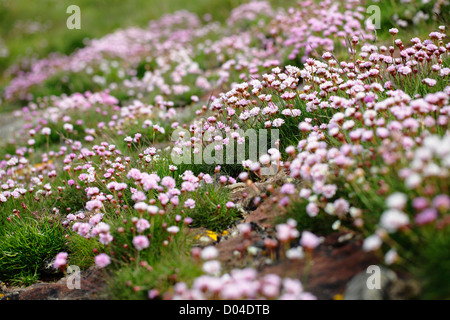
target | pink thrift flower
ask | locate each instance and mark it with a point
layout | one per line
(312, 209)
(288, 188)
(426, 216)
(141, 242)
(142, 225)
(102, 260)
(60, 260)
(189, 203)
(309, 240)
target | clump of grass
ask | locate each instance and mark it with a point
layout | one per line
(82, 251)
(133, 281)
(25, 244)
(71, 200)
(210, 209)
(432, 265)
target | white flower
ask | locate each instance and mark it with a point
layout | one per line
(396, 200)
(173, 230)
(212, 267)
(390, 257)
(295, 253)
(372, 243)
(209, 253)
(152, 210)
(413, 181)
(393, 219)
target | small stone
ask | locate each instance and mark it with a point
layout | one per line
(372, 284)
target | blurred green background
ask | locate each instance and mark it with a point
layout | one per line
(36, 28)
(33, 29)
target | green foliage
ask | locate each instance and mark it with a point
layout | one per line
(25, 245)
(432, 264)
(408, 12)
(71, 200)
(163, 274)
(81, 250)
(320, 224)
(206, 212)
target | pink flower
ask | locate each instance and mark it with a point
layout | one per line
(102, 260)
(93, 205)
(142, 225)
(286, 232)
(189, 203)
(288, 188)
(138, 196)
(429, 82)
(309, 240)
(305, 193)
(341, 207)
(426, 216)
(390, 257)
(420, 203)
(207, 178)
(141, 206)
(141, 242)
(152, 294)
(83, 229)
(175, 200)
(243, 176)
(441, 202)
(105, 238)
(152, 210)
(245, 228)
(229, 205)
(312, 209)
(393, 31)
(60, 260)
(168, 182)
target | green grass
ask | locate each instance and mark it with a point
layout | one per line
(407, 12)
(320, 224)
(97, 19)
(132, 281)
(206, 212)
(432, 264)
(25, 245)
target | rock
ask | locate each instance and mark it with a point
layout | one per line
(371, 284)
(256, 192)
(47, 270)
(407, 289)
(234, 186)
